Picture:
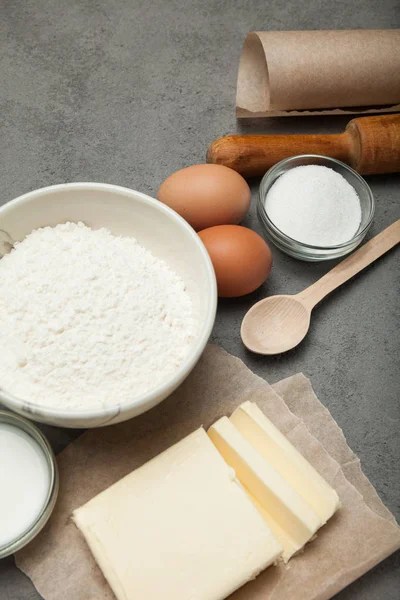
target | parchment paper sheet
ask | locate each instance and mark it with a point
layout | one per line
(360, 535)
(287, 73)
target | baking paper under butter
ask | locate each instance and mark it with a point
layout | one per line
(359, 536)
(292, 73)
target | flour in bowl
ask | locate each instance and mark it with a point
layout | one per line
(88, 319)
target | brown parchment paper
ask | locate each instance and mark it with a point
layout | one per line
(291, 73)
(359, 536)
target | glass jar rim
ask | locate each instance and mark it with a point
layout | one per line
(9, 418)
(289, 241)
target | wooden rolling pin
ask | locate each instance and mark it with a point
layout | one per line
(369, 145)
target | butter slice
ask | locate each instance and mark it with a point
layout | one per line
(289, 517)
(286, 459)
(181, 527)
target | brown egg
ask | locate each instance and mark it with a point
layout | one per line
(207, 195)
(242, 259)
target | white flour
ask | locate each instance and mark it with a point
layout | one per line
(88, 319)
(314, 205)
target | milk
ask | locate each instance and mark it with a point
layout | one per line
(24, 482)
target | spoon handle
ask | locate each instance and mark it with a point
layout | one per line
(350, 266)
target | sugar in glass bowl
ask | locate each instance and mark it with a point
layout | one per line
(301, 250)
(158, 228)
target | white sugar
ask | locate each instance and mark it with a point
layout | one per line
(314, 205)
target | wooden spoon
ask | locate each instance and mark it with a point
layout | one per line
(279, 323)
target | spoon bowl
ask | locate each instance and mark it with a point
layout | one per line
(275, 325)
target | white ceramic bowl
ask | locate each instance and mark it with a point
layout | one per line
(155, 226)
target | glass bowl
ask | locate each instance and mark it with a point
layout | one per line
(37, 525)
(301, 250)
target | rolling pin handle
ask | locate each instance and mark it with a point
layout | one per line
(375, 143)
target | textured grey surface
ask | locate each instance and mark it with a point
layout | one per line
(128, 91)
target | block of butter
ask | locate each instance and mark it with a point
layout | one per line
(181, 527)
(294, 500)
(272, 445)
(290, 518)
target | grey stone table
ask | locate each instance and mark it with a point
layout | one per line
(128, 91)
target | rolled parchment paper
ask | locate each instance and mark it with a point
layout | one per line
(319, 72)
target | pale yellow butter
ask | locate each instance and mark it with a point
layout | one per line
(286, 459)
(289, 516)
(179, 528)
